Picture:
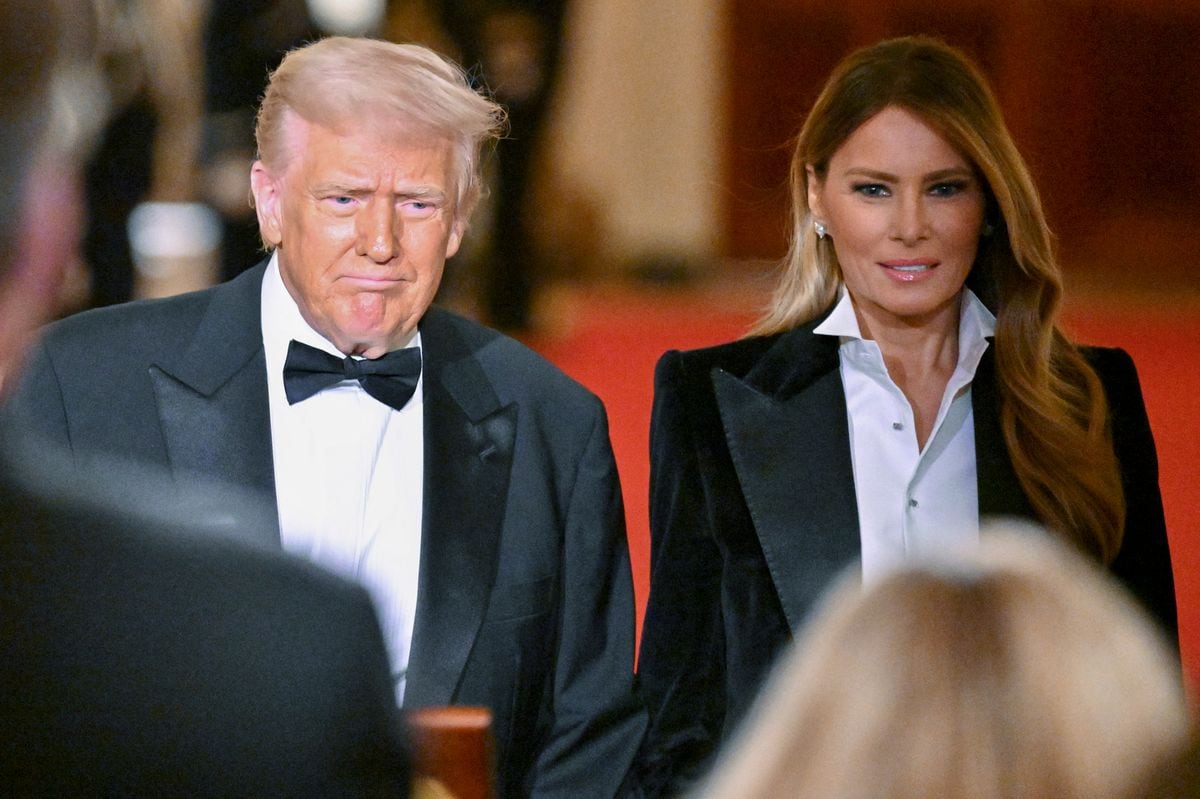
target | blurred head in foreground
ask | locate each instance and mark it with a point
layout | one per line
(1020, 672)
(1177, 777)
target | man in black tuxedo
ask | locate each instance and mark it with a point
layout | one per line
(158, 652)
(469, 484)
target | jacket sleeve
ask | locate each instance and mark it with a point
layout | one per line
(1143, 563)
(682, 658)
(598, 718)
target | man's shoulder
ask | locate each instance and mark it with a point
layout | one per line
(137, 315)
(103, 342)
(515, 370)
(154, 323)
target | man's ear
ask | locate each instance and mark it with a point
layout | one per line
(267, 203)
(457, 230)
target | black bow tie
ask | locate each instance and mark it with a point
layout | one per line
(391, 379)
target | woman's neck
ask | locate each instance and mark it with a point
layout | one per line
(921, 355)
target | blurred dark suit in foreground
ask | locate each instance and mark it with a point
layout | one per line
(141, 655)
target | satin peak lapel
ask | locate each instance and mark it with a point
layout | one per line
(789, 441)
(212, 401)
(469, 441)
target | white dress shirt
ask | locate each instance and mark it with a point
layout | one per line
(349, 472)
(912, 502)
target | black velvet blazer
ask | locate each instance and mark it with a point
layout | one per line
(753, 513)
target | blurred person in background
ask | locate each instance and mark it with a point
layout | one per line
(1018, 671)
(244, 41)
(516, 45)
(151, 55)
(168, 188)
(909, 379)
(467, 482)
(158, 651)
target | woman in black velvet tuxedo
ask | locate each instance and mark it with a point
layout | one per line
(908, 380)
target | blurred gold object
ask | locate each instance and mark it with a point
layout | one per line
(427, 788)
(454, 754)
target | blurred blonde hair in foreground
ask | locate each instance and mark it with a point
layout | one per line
(1019, 671)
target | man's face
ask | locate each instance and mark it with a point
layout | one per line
(363, 222)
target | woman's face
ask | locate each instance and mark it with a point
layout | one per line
(904, 210)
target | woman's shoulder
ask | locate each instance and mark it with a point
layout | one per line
(736, 357)
(1116, 370)
(1123, 389)
(1108, 360)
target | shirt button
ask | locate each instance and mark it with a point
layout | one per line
(912, 503)
(897, 425)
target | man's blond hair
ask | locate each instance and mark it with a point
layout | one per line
(402, 88)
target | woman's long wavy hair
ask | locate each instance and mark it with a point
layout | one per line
(1052, 406)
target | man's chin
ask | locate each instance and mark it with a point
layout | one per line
(373, 343)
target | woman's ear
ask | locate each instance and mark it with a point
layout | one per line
(813, 184)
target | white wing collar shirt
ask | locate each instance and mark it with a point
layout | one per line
(912, 502)
(349, 472)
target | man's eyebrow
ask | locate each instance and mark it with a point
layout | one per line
(334, 187)
(421, 192)
(340, 187)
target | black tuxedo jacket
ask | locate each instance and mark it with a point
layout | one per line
(525, 600)
(753, 514)
(145, 655)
